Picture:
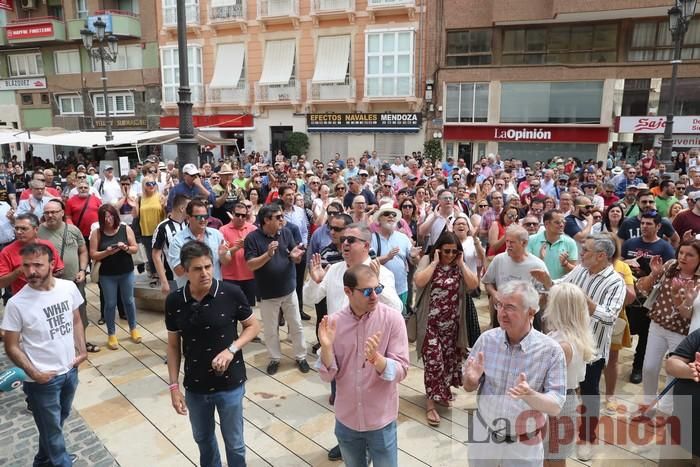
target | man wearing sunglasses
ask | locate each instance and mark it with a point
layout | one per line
(367, 377)
(271, 253)
(191, 186)
(580, 222)
(631, 226)
(237, 271)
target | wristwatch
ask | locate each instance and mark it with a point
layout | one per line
(233, 349)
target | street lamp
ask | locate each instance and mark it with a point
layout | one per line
(187, 146)
(105, 48)
(679, 17)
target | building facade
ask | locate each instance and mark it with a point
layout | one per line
(48, 79)
(540, 79)
(348, 72)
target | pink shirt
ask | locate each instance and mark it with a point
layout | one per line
(366, 400)
(237, 269)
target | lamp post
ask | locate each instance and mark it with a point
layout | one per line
(679, 17)
(105, 47)
(187, 146)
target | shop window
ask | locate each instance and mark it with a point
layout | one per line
(551, 102)
(652, 41)
(467, 102)
(560, 44)
(468, 48)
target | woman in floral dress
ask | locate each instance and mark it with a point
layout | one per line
(442, 280)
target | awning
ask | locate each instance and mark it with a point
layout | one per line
(279, 61)
(332, 59)
(85, 139)
(229, 64)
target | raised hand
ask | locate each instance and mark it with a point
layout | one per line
(297, 252)
(393, 252)
(436, 257)
(326, 332)
(688, 235)
(371, 346)
(540, 275)
(316, 271)
(474, 367)
(272, 248)
(521, 388)
(563, 258)
(657, 265)
(223, 248)
(375, 265)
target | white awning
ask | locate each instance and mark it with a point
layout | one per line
(229, 64)
(279, 61)
(332, 59)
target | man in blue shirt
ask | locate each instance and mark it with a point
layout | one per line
(191, 186)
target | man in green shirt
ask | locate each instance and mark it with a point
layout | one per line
(666, 198)
(558, 251)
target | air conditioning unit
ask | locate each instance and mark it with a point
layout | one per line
(27, 4)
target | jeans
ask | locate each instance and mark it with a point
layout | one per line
(124, 285)
(590, 397)
(381, 444)
(229, 405)
(51, 404)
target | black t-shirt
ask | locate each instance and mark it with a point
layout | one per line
(277, 277)
(207, 328)
(686, 393)
(7, 188)
(636, 248)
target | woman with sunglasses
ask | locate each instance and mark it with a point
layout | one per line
(497, 231)
(339, 190)
(409, 219)
(150, 210)
(442, 280)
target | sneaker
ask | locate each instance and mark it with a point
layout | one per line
(135, 336)
(334, 454)
(272, 367)
(314, 349)
(584, 451)
(112, 342)
(303, 366)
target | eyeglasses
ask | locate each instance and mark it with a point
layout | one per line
(447, 198)
(240, 215)
(335, 228)
(201, 217)
(512, 216)
(449, 251)
(367, 292)
(351, 240)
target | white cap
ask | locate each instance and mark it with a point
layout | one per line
(190, 169)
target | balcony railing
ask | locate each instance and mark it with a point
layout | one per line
(331, 91)
(236, 11)
(278, 8)
(290, 92)
(323, 6)
(238, 95)
(191, 13)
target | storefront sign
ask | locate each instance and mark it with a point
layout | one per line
(7, 5)
(363, 121)
(527, 133)
(29, 31)
(685, 124)
(223, 121)
(133, 122)
(22, 83)
(680, 141)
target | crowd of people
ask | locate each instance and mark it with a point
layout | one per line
(574, 258)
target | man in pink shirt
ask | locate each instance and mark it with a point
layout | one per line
(237, 271)
(367, 400)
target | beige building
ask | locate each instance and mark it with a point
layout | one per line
(542, 78)
(348, 72)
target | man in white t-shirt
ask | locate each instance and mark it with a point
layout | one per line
(109, 188)
(43, 330)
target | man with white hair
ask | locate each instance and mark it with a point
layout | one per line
(36, 202)
(517, 370)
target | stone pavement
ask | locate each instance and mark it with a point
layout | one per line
(19, 438)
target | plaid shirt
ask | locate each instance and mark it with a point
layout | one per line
(538, 356)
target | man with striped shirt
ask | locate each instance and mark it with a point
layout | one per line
(605, 290)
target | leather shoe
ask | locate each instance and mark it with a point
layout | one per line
(334, 454)
(636, 376)
(272, 367)
(305, 316)
(303, 366)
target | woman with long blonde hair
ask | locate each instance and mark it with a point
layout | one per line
(567, 321)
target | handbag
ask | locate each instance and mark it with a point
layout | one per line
(140, 256)
(618, 331)
(95, 272)
(653, 295)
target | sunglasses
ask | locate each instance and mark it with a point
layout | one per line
(407, 206)
(151, 184)
(367, 292)
(351, 240)
(240, 215)
(336, 228)
(82, 176)
(531, 224)
(389, 214)
(127, 184)
(152, 171)
(449, 251)
(278, 217)
(483, 205)
(340, 188)
(201, 217)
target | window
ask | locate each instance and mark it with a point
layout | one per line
(26, 65)
(45, 98)
(120, 103)
(171, 75)
(27, 99)
(466, 48)
(653, 41)
(687, 97)
(67, 61)
(560, 44)
(69, 105)
(551, 102)
(467, 102)
(130, 57)
(81, 9)
(635, 97)
(170, 12)
(389, 64)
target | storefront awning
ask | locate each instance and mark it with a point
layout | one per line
(332, 59)
(229, 64)
(85, 139)
(279, 61)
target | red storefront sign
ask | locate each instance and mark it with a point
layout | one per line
(223, 122)
(527, 133)
(29, 31)
(7, 5)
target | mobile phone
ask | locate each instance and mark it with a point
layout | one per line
(113, 246)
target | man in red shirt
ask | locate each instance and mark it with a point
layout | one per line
(237, 271)
(81, 210)
(39, 175)
(26, 231)
(608, 195)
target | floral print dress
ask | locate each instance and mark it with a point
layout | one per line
(442, 360)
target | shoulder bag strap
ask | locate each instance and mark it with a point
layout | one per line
(82, 213)
(379, 244)
(63, 244)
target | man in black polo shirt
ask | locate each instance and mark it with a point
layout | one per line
(203, 318)
(271, 253)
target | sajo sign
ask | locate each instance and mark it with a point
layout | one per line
(29, 31)
(656, 125)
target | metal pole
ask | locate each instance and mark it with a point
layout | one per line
(108, 121)
(667, 141)
(187, 146)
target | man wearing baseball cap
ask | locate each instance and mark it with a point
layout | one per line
(109, 188)
(191, 186)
